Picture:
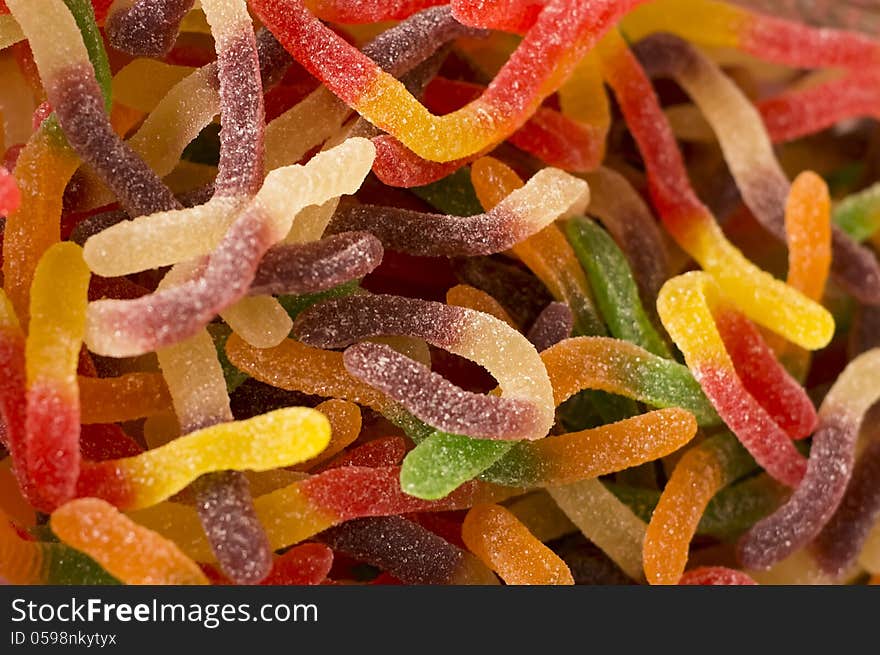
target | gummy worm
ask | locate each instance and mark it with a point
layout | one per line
(527, 210)
(343, 321)
(761, 297)
(130, 327)
(411, 553)
(749, 152)
(535, 70)
(829, 469)
(58, 305)
(553, 325)
(129, 552)
(495, 535)
(748, 387)
(280, 438)
(148, 28)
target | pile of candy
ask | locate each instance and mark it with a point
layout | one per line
(430, 292)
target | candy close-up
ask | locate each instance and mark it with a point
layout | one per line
(439, 292)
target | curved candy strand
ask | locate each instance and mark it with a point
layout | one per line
(10, 195)
(343, 321)
(33, 562)
(406, 550)
(859, 214)
(841, 540)
(613, 286)
(627, 218)
(133, 554)
(750, 155)
(443, 461)
(133, 327)
(73, 90)
(58, 306)
(605, 521)
(345, 427)
(689, 306)
(536, 69)
(280, 438)
(761, 297)
(495, 535)
(829, 468)
(722, 24)
(546, 196)
(242, 115)
(223, 500)
(698, 476)
(439, 403)
(546, 253)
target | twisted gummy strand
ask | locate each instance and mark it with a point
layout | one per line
(408, 551)
(546, 196)
(761, 297)
(76, 97)
(58, 305)
(538, 67)
(829, 468)
(124, 398)
(130, 327)
(749, 153)
(340, 322)
(758, 409)
(280, 438)
(497, 537)
(133, 554)
(699, 475)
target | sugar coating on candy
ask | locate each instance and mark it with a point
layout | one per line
(605, 521)
(148, 28)
(841, 540)
(384, 451)
(77, 99)
(438, 402)
(613, 286)
(698, 476)
(685, 308)
(464, 295)
(629, 221)
(546, 253)
(495, 536)
(280, 438)
(548, 194)
(594, 452)
(408, 551)
(749, 153)
(514, 362)
(760, 296)
(317, 266)
(58, 297)
(136, 326)
(553, 325)
(829, 469)
(132, 553)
